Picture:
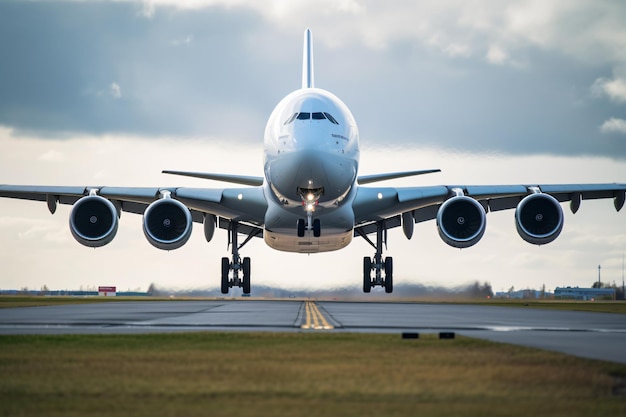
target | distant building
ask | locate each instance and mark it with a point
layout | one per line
(575, 293)
(524, 294)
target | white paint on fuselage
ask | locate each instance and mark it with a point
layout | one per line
(308, 153)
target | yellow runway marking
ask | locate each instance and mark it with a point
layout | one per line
(315, 320)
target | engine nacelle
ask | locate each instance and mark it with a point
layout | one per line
(93, 221)
(539, 218)
(461, 221)
(167, 224)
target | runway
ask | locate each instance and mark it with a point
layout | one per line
(590, 335)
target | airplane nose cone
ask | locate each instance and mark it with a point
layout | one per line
(312, 171)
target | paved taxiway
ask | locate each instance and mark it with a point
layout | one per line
(591, 335)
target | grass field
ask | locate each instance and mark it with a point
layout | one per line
(298, 374)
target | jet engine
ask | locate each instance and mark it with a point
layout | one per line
(167, 224)
(539, 218)
(93, 221)
(461, 221)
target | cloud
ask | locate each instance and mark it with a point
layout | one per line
(496, 55)
(457, 50)
(147, 9)
(183, 41)
(614, 125)
(406, 69)
(115, 91)
(584, 29)
(614, 89)
(52, 155)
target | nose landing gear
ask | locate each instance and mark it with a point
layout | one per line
(309, 224)
(310, 200)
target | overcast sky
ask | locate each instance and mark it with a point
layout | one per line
(111, 93)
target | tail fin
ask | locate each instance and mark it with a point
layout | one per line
(307, 60)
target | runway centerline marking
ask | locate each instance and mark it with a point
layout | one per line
(315, 320)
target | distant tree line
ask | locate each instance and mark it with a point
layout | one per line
(619, 289)
(478, 290)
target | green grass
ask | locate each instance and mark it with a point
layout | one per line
(292, 374)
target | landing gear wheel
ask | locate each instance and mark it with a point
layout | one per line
(246, 275)
(225, 271)
(389, 275)
(317, 228)
(367, 274)
(301, 227)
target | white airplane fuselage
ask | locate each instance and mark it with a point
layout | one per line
(311, 158)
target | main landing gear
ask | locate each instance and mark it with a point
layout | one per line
(378, 264)
(236, 264)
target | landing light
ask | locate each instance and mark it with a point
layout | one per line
(310, 205)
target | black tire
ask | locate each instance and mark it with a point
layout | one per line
(301, 227)
(389, 275)
(317, 228)
(367, 274)
(225, 271)
(246, 275)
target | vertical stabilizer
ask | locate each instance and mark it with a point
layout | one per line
(307, 60)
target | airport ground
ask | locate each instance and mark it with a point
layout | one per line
(312, 358)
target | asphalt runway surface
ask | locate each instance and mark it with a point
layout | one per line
(590, 335)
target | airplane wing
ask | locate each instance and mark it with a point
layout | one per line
(245, 204)
(400, 206)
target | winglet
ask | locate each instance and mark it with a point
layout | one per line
(307, 60)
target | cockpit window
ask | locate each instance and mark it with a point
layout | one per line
(331, 118)
(292, 118)
(309, 116)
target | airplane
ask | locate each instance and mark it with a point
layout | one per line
(311, 198)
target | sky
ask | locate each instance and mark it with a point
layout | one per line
(111, 93)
